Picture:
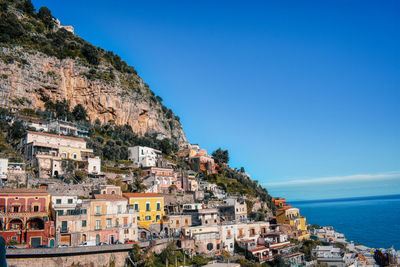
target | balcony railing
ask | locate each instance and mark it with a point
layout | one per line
(64, 230)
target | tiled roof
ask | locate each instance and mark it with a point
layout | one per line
(258, 249)
(22, 190)
(141, 195)
(58, 136)
(108, 197)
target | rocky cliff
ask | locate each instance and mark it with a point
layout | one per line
(34, 69)
(40, 78)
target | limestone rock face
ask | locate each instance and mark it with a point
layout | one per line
(28, 79)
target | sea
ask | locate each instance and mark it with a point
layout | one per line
(372, 221)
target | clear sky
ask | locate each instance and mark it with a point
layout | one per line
(294, 89)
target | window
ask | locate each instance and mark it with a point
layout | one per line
(136, 206)
(74, 155)
(186, 221)
(64, 226)
(210, 246)
(70, 201)
(125, 220)
(83, 223)
(148, 218)
(15, 208)
(109, 223)
(158, 217)
(138, 218)
(35, 208)
(98, 225)
(147, 206)
(177, 222)
(126, 231)
(60, 212)
(58, 201)
(158, 206)
(98, 210)
(119, 209)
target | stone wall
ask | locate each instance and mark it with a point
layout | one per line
(90, 260)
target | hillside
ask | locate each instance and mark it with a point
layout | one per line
(42, 61)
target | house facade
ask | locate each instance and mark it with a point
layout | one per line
(149, 207)
(26, 217)
(143, 157)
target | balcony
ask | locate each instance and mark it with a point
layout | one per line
(97, 214)
(64, 230)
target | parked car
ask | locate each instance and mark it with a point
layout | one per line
(130, 242)
(88, 243)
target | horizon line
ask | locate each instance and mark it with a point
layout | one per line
(344, 178)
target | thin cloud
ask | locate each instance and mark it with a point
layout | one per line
(334, 179)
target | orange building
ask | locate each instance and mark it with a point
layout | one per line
(279, 202)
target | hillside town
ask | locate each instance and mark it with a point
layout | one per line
(149, 198)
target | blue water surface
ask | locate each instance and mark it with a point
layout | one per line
(372, 221)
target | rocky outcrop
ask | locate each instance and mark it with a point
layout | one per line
(28, 79)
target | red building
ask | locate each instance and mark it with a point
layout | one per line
(25, 217)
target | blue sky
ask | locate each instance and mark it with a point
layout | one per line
(294, 89)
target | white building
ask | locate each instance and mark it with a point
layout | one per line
(330, 255)
(228, 233)
(94, 165)
(143, 156)
(3, 169)
(64, 204)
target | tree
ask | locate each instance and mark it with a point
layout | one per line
(221, 156)
(17, 130)
(46, 17)
(90, 53)
(28, 7)
(137, 185)
(278, 261)
(79, 113)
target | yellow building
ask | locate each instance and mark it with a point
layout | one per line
(148, 206)
(290, 215)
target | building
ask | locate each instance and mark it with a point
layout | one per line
(3, 169)
(228, 235)
(64, 147)
(329, 255)
(290, 215)
(109, 189)
(67, 128)
(94, 165)
(111, 220)
(206, 238)
(26, 217)
(161, 180)
(72, 219)
(148, 206)
(233, 209)
(176, 222)
(54, 126)
(279, 202)
(46, 151)
(143, 157)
